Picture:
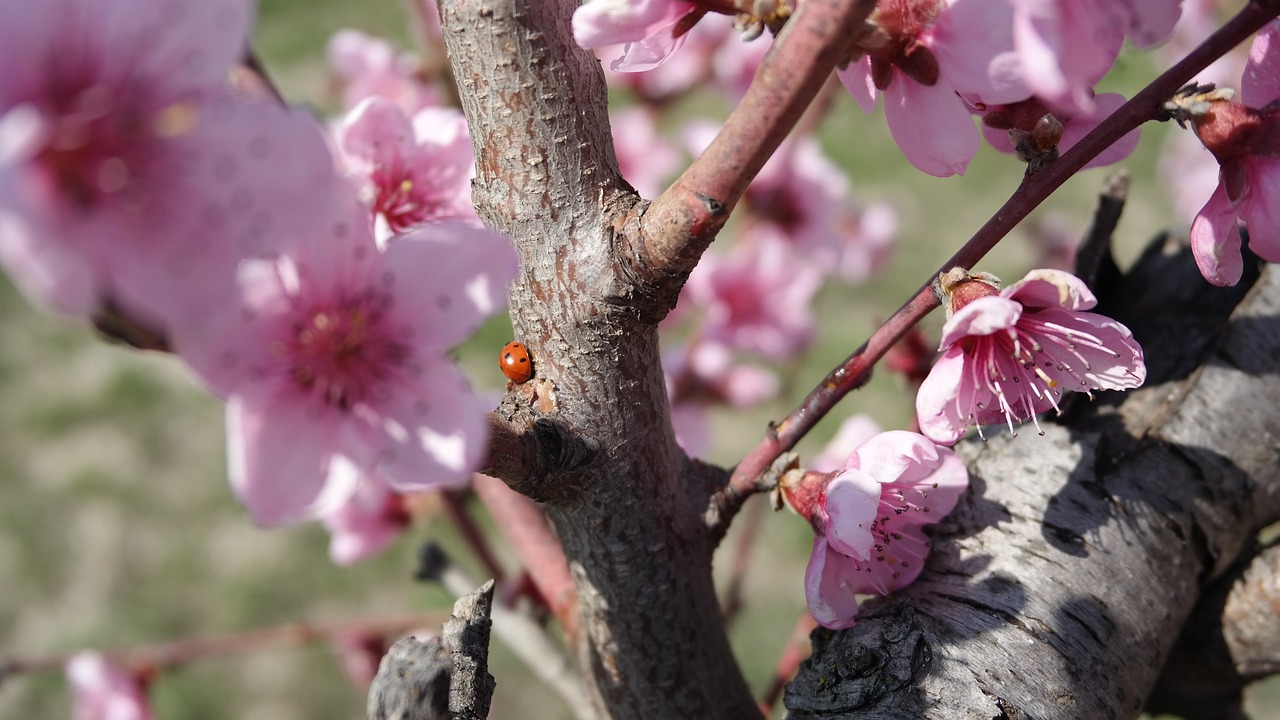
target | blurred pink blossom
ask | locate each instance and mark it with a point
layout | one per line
(702, 45)
(132, 173)
(647, 27)
(332, 363)
(869, 517)
(703, 374)
(854, 431)
(369, 521)
(372, 67)
(1244, 137)
(1009, 354)
(103, 690)
(757, 298)
(646, 160)
(412, 171)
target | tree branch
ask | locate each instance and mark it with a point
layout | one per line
(1034, 189)
(677, 227)
(1039, 598)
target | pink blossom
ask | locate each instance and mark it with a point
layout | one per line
(930, 52)
(134, 175)
(869, 517)
(370, 520)
(810, 201)
(702, 375)
(412, 171)
(332, 363)
(1244, 137)
(701, 46)
(757, 298)
(646, 160)
(371, 67)
(647, 27)
(1009, 354)
(103, 690)
(1066, 46)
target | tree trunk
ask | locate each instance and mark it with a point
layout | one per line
(622, 496)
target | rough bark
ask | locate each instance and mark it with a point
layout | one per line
(441, 678)
(615, 486)
(1060, 585)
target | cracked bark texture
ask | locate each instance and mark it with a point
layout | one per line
(618, 491)
(1059, 586)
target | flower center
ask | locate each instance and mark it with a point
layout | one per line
(99, 141)
(344, 354)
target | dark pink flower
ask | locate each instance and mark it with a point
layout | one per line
(647, 27)
(1009, 354)
(412, 171)
(332, 362)
(103, 690)
(132, 173)
(869, 518)
(1244, 137)
(757, 298)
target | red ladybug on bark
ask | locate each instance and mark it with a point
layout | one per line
(515, 362)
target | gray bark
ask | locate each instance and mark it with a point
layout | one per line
(1059, 586)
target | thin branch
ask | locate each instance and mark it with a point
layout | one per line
(526, 528)
(1033, 190)
(527, 639)
(182, 652)
(679, 225)
(749, 533)
(455, 506)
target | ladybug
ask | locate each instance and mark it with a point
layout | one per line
(515, 362)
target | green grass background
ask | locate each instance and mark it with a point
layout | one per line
(117, 527)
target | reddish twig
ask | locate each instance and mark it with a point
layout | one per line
(679, 225)
(455, 506)
(750, 531)
(526, 528)
(181, 652)
(856, 369)
(793, 653)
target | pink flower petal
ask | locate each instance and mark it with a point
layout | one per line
(1051, 288)
(453, 276)
(1080, 125)
(931, 125)
(1215, 240)
(828, 582)
(1260, 84)
(983, 316)
(433, 435)
(104, 690)
(852, 501)
(973, 41)
(279, 457)
(944, 399)
(857, 80)
(1098, 353)
(1259, 206)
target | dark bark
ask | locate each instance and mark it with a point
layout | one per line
(1059, 586)
(440, 678)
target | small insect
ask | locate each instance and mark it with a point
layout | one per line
(515, 362)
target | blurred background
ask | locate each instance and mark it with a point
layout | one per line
(117, 527)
